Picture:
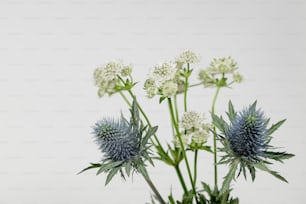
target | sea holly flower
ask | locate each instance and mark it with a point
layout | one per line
(219, 72)
(246, 143)
(112, 78)
(124, 144)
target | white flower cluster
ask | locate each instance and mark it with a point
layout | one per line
(196, 131)
(106, 77)
(163, 80)
(187, 57)
(220, 66)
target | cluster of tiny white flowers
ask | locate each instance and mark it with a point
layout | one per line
(225, 65)
(163, 79)
(187, 57)
(220, 66)
(192, 120)
(200, 136)
(164, 72)
(185, 140)
(106, 77)
(195, 130)
(169, 88)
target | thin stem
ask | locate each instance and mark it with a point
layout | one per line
(197, 84)
(154, 189)
(146, 118)
(125, 99)
(176, 108)
(195, 169)
(181, 178)
(215, 139)
(186, 89)
(181, 145)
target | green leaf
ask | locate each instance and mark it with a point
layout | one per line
(92, 166)
(128, 167)
(161, 99)
(219, 123)
(111, 174)
(252, 172)
(171, 199)
(231, 112)
(206, 187)
(274, 127)
(163, 156)
(263, 167)
(108, 166)
(278, 156)
(229, 177)
(253, 106)
(141, 169)
(151, 131)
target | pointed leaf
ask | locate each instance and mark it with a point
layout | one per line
(229, 177)
(274, 127)
(161, 99)
(108, 166)
(92, 166)
(111, 174)
(278, 156)
(171, 199)
(231, 112)
(263, 167)
(219, 123)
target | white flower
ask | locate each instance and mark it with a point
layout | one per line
(223, 65)
(237, 77)
(163, 72)
(169, 88)
(192, 120)
(200, 136)
(187, 57)
(127, 70)
(206, 77)
(112, 70)
(107, 77)
(185, 140)
(150, 88)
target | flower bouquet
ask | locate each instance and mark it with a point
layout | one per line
(241, 138)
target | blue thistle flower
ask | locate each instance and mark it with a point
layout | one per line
(125, 145)
(116, 139)
(246, 134)
(246, 143)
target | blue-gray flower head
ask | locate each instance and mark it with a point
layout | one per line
(246, 143)
(246, 134)
(117, 139)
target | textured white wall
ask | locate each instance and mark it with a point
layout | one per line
(49, 49)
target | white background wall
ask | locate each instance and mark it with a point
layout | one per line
(48, 103)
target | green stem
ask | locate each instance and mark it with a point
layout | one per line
(215, 139)
(181, 178)
(146, 119)
(186, 89)
(154, 189)
(125, 99)
(195, 169)
(181, 145)
(176, 108)
(197, 84)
